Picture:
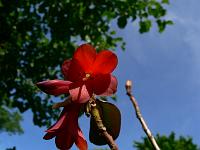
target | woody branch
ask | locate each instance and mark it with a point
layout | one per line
(95, 114)
(139, 116)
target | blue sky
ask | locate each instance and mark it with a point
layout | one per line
(165, 69)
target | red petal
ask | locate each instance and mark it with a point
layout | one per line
(66, 129)
(68, 133)
(100, 83)
(85, 55)
(75, 72)
(80, 93)
(54, 87)
(64, 140)
(52, 131)
(81, 142)
(49, 135)
(112, 87)
(65, 68)
(106, 61)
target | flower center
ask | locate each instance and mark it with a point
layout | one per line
(87, 76)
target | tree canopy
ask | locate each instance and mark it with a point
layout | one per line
(37, 36)
(165, 143)
(168, 143)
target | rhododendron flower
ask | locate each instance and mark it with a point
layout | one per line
(66, 129)
(87, 73)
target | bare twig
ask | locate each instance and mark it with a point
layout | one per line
(101, 128)
(139, 115)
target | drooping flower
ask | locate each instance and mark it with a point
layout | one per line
(66, 129)
(87, 73)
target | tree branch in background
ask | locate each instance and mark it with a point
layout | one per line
(139, 115)
(95, 114)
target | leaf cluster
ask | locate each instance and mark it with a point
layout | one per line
(9, 121)
(168, 143)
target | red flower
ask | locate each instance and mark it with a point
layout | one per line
(66, 129)
(87, 73)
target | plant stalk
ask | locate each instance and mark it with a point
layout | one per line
(95, 114)
(139, 116)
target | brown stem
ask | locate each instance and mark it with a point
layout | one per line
(101, 128)
(139, 115)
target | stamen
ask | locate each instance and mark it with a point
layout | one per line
(87, 76)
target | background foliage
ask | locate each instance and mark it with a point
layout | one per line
(37, 36)
(168, 143)
(165, 143)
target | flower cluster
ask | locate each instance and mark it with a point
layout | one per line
(88, 73)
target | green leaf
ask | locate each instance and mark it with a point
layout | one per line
(1, 5)
(10, 121)
(167, 143)
(169, 22)
(122, 21)
(111, 118)
(165, 1)
(145, 26)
